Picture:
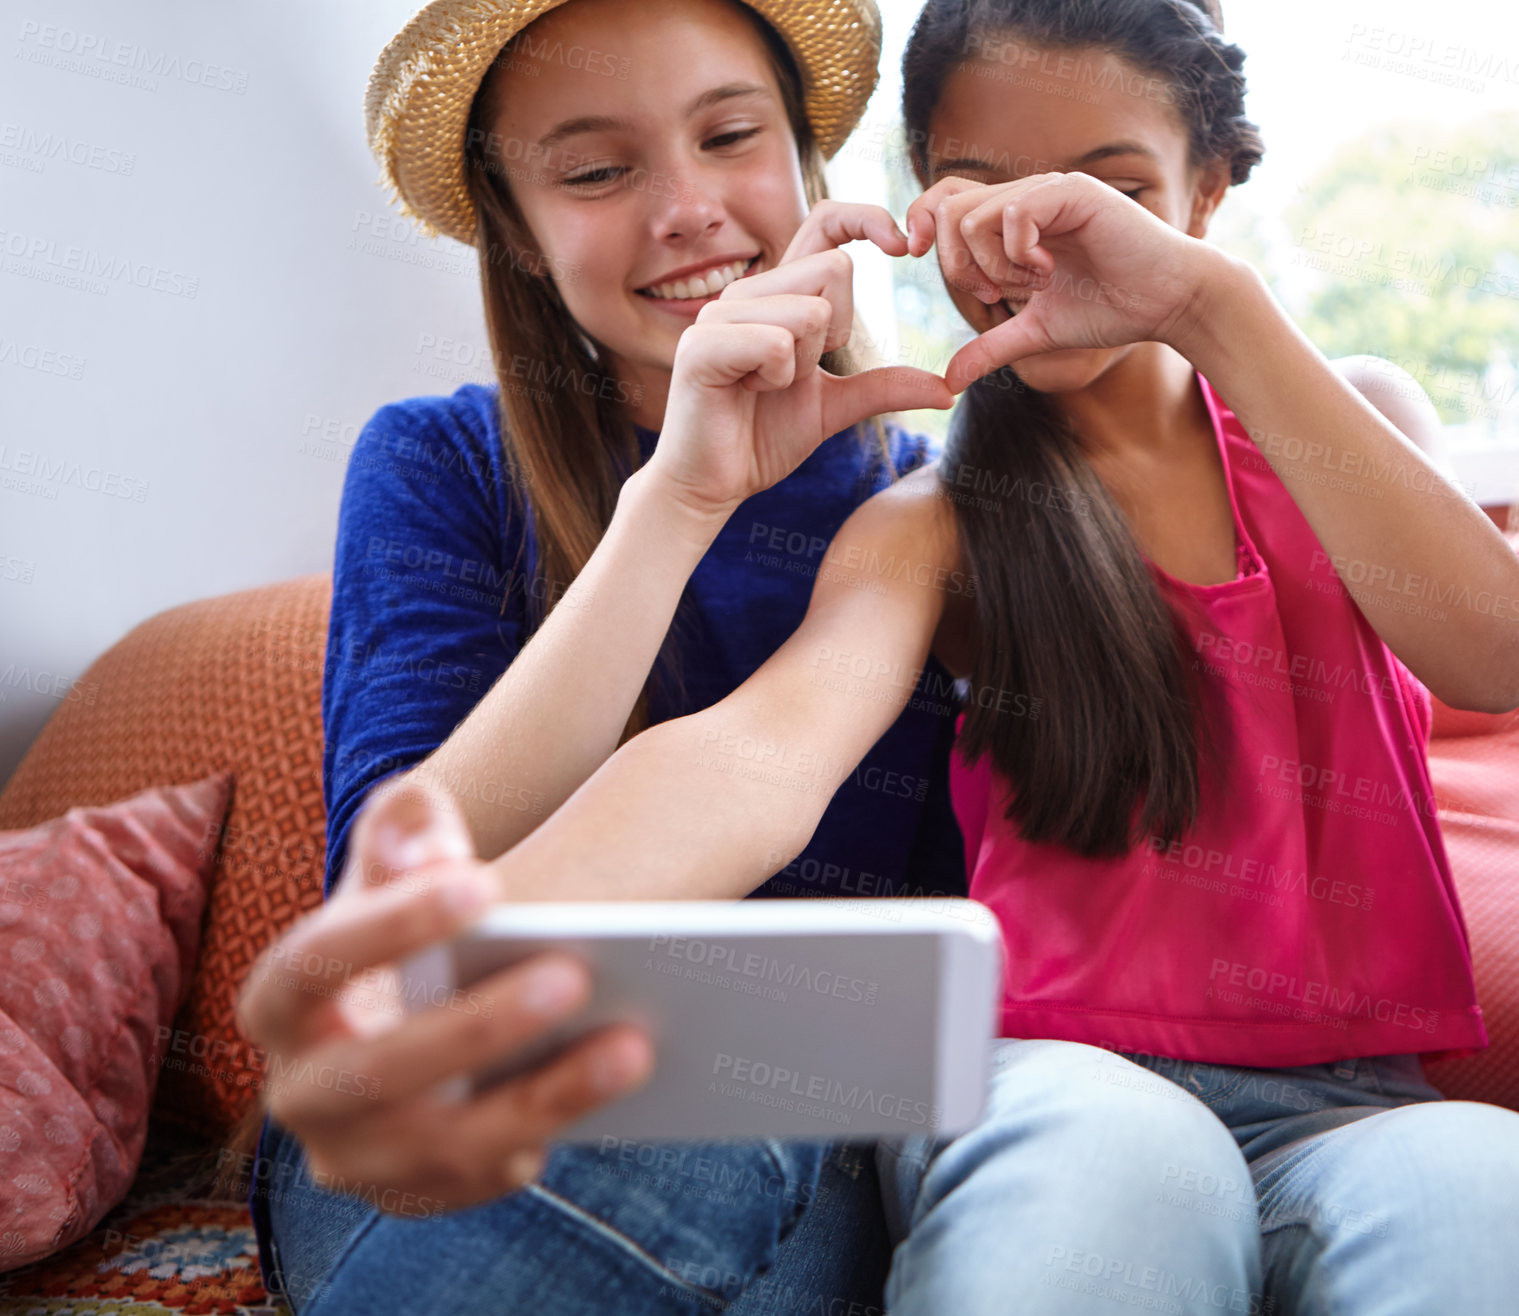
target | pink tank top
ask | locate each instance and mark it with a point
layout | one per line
(1310, 914)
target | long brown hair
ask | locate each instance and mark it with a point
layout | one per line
(1067, 610)
(570, 444)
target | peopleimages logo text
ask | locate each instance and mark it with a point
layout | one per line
(1340, 1003)
(760, 1077)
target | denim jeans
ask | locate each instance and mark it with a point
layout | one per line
(1099, 1182)
(754, 1228)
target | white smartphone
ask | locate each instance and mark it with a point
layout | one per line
(815, 1018)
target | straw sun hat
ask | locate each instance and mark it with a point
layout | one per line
(419, 95)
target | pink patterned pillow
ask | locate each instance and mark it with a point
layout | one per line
(99, 923)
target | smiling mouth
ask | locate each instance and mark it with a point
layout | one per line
(699, 287)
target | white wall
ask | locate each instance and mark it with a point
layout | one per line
(242, 308)
(158, 446)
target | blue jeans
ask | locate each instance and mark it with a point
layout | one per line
(1099, 1182)
(754, 1228)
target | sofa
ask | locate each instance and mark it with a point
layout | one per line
(233, 683)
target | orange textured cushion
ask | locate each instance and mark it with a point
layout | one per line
(231, 683)
(100, 912)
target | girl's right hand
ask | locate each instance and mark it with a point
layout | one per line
(354, 1076)
(748, 401)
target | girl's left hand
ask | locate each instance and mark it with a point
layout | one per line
(1083, 265)
(749, 400)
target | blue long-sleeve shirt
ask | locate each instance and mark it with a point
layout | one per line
(433, 568)
(430, 594)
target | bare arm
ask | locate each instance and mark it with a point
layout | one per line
(708, 806)
(558, 710)
(1398, 396)
(1430, 571)
(651, 823)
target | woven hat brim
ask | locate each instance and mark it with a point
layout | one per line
(417, 103)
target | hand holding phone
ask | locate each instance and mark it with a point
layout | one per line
(353, 1075)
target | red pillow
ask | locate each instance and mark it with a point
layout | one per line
(1476, 781)
(99, 922)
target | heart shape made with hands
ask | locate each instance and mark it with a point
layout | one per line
(1061, 260)
(1064, 261)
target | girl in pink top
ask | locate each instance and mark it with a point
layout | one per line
(1195, 587)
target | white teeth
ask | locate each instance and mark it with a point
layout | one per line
(714, 281)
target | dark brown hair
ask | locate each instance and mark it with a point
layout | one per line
(570, 446)
(1067, 610)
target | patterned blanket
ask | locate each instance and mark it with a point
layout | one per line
(171, 1246)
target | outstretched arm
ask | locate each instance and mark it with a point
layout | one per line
(653, 822)
(708, 806)
(1423, 562)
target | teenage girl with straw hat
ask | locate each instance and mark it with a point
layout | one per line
(615, 167)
